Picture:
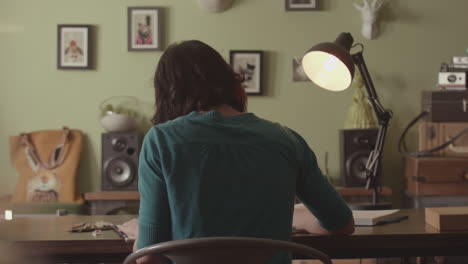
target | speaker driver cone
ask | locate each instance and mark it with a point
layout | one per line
(120, 171)
(356, 166)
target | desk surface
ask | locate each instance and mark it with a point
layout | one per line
(48, 236)
(412, 237)
(134, 195)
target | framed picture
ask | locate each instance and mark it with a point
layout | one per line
(73, 49)
(248, 63)
(301, 5)
(297, 70)
(144, 28)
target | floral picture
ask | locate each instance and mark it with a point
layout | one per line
(249, 65)
(73, 47)
(144, 28)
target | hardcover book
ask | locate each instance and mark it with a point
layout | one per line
(376, 217)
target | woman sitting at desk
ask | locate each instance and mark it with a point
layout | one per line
(209, 168)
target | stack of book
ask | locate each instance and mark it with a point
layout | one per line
(377, 217)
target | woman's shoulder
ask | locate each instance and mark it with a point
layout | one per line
(278, 128)
(167, 126)
(281, 133)
(171, 132)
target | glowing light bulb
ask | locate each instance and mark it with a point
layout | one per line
(8, 215)
(330, 63)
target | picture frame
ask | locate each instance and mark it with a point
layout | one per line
(73, 46)
(249, 64)
(301, 5)
(144, 29)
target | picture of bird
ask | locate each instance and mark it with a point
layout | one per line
(73, 52)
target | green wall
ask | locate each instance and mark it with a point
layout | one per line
(417, 35)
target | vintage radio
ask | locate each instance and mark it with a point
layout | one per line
(433, 135)
(436, 176)
(452, 80)
(453, 76)
(445, 106)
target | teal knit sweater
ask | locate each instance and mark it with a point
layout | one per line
(204, 175)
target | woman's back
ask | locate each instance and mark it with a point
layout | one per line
(224, 176)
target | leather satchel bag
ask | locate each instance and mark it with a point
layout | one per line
(47, 180)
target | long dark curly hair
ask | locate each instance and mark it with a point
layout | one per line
(192, 76)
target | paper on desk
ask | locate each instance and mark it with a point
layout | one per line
(129, 228)
(373, 217)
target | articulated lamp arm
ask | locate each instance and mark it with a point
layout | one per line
(383, 116)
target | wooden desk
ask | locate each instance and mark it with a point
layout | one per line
(49, 236)
(106, 202)
(411, 237)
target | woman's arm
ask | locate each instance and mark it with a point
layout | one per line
(323, 211)
(131, 229)
(154, 220)
(304, 220)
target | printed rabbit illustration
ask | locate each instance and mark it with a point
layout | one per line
(44, 185)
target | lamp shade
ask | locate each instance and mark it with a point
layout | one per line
(329, 64)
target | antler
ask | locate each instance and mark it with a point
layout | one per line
(369, 12)
(377, 4)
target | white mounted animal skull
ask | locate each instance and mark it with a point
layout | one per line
(369, 12)
(215, 6)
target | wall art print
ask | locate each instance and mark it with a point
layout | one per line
(73, 51)
(249, 64)
(144, 28)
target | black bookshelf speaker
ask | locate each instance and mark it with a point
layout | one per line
(356, 145)
(120, 151)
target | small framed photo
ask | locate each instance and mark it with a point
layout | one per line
(298, 72)
(249, 64)
(73, 49)
(301, 5)
(144, 28)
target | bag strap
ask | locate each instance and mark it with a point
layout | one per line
(56, 158)
(402, 148)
